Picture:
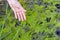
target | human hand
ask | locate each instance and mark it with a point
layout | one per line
(19, 11)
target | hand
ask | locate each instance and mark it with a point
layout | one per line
(19, 11)
(20, 14)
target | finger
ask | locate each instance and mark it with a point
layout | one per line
(15, 14)
(24, 16)
(18, 16)
(24, 10)
(21, 16)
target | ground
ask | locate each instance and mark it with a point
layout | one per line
(42, 23)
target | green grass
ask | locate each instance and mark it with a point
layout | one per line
(38, 25)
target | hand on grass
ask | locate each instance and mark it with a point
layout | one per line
(19, 11)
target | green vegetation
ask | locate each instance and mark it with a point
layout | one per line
(42, 23)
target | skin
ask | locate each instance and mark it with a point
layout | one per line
(19, 11)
